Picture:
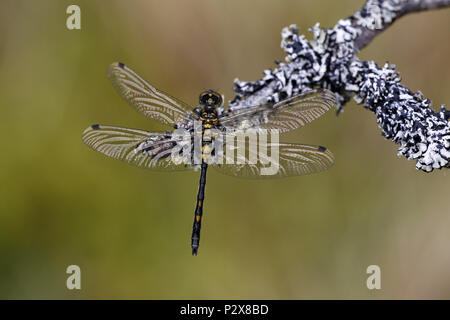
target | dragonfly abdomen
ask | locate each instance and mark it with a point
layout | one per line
(195, 239)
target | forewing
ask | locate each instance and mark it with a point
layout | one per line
(293, 160)
(287, 115)
(145, 98)
(150, 150)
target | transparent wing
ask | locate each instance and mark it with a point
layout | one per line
(286, 115)
(136, 147)
(146, 99)
(293, 160)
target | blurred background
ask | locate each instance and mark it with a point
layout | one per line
(129, 229)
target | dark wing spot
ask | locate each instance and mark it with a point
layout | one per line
(95, 126)
(321, 149)
(121, 65)
(320, 90)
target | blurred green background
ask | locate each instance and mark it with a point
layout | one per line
(129, 229)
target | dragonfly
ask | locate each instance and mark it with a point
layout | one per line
(154, 150)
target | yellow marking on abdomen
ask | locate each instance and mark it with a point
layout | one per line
(197, 218)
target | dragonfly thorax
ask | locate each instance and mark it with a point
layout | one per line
(209, 118)
(209, 101)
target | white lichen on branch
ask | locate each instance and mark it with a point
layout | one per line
(330, 61)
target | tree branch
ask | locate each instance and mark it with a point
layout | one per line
(330, 61)
(391, 10)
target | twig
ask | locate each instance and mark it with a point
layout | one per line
(330, 61)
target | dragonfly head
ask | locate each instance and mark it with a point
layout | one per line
(210, 100)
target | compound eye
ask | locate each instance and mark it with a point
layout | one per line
(218, 100)
(203, 98)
